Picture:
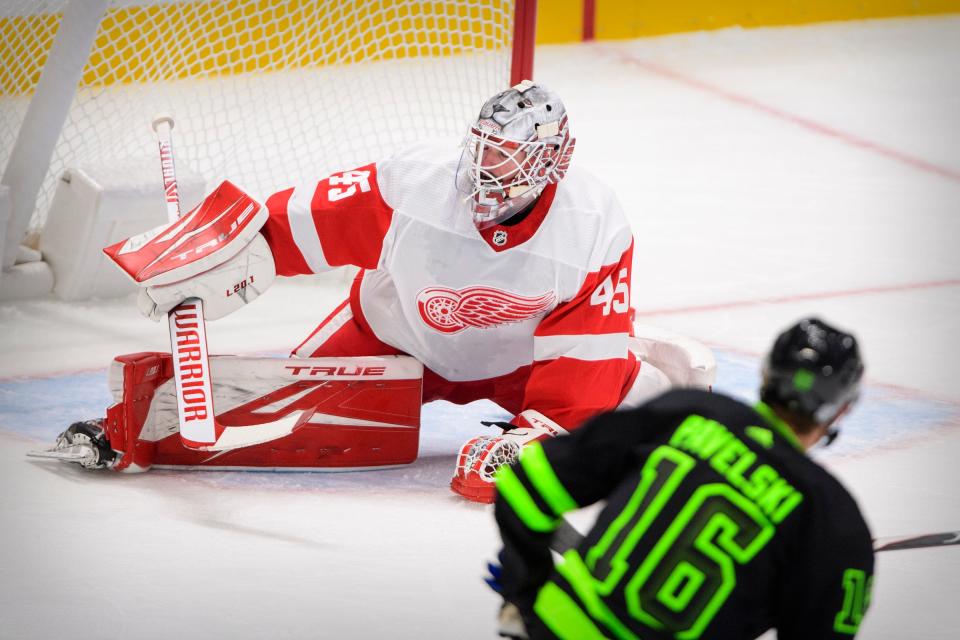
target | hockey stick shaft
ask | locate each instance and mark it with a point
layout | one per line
(567, 537)
(188, 336)
(947, 538)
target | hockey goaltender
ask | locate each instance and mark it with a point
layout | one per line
(495, 272)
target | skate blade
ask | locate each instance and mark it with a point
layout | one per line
(74, 453)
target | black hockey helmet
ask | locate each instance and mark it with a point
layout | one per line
(813, 370)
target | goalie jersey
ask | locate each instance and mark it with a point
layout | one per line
(542, 305)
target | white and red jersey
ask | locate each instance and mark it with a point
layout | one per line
(548, 298)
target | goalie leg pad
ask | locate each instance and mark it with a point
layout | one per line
(685, 361)
(134, 379)
(649, 383)
(329, 413)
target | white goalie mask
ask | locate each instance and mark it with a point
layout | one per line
(519, 144)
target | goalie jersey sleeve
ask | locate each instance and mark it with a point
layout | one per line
(582, 363)
(716, 525)
(342, 220)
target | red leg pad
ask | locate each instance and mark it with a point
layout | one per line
(134, 379)
(318, 442)
(344, 421)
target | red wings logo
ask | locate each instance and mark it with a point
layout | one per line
(450, 311)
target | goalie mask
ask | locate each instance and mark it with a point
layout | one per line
(519, 144)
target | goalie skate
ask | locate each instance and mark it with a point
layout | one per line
(83, 443)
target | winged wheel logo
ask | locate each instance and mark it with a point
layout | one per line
(452, 311)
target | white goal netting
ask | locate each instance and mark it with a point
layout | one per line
(264, 92)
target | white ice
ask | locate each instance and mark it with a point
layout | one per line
(770, 174)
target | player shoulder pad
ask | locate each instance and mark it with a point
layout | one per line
(210, 234)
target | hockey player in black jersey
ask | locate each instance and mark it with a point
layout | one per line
(716, 525)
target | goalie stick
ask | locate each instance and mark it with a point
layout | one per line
(198, 423)
(199, 427)
(567, 537)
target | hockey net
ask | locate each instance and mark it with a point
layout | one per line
(264, 92)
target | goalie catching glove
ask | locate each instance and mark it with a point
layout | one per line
(481, 457)
(214, 253)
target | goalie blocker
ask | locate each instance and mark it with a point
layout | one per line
(318, 413)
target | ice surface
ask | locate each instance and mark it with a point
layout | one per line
(770, 173)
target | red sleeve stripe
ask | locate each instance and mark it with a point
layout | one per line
(606, 346)
(304, 230)
(287, 257)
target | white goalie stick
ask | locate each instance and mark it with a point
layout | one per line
(567, 537)
(200, 430)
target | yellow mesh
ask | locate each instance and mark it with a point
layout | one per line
(264, 92)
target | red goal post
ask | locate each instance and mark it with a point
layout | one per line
(264, 92)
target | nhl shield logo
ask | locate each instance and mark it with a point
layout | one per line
(500, 237)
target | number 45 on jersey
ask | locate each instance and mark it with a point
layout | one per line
(351, 181)
(613, 296)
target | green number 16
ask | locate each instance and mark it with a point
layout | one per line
(691, 570)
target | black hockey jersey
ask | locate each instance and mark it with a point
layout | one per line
(717, 525)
